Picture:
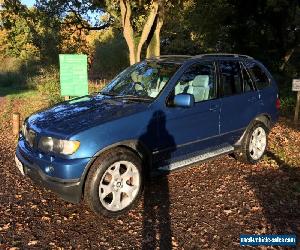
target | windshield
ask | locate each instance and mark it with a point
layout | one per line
(144, 80)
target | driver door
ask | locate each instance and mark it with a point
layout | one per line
(192, 129)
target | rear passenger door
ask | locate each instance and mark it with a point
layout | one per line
(239, 99)
(267, 92)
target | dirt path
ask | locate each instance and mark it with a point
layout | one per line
(206, 206)
(2, 100)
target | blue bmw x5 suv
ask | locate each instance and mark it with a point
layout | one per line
(156, 116)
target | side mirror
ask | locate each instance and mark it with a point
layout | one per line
(184, 100)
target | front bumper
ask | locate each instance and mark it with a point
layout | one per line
(35, 167)
(69, 191)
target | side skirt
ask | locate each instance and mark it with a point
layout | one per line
(197, 158)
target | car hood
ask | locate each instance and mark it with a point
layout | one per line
(70, 117)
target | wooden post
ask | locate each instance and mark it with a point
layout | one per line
(16, 123)
(297, 108)
(296, 87)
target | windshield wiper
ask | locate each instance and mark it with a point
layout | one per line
(135, 98)
(127, 97)
(108, 93)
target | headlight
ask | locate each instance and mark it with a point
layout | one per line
(28, 134)
(24, 129)
(65, 147)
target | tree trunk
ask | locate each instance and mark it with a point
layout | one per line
(153, 49)
(128, 30)
(287, 58)
(153, 21)
(147, 29)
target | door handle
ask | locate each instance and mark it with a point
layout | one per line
(213, 108)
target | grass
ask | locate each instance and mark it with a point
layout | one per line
(287, 99)
(28, 100)
(15, 92)
(24, 103)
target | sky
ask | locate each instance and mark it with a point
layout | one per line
(94, 17)
(28, 2)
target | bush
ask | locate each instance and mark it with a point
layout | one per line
(97, 86)
(17, 75)
(286, 95)
(12, 72)
(15, 72)
(11, 78)
(47, 83)
(111, 56)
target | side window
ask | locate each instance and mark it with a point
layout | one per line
(199, 81)
(248, 85)
(259, 76)
(231, 78)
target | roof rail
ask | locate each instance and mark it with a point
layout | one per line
(168, 56)
(246, 56)
(223, 54)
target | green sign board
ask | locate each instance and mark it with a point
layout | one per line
(73, 75)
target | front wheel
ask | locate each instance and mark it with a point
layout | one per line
(114, 182)
(254, 144)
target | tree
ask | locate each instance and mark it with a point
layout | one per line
(73, 40)
(86, 13)
(140, 21)
(266, 29)
(17, 40)
(153, 21)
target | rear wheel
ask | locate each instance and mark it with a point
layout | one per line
(114, 182)
(254, 144)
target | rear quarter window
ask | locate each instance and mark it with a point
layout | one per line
(258, 75)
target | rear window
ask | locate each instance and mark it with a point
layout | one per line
(258, 75)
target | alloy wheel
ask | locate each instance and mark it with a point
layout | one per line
(119, 185)
(258, 143)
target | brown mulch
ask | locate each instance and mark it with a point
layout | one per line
(206, 206)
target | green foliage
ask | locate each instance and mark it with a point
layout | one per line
(288, 103)
(20, 41)
(17, 32)
(110, 57)
(15, 72)
(26, 33)
(287, 96)
(11, 78)
(267, 30)
(48, 85)
(23, 78)
(97, 86)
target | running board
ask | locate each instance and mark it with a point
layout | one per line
(198, 158)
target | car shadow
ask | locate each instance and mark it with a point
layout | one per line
(157, 232)
(278, 191)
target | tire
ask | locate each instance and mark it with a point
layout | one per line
(254, 144)
(114, 182)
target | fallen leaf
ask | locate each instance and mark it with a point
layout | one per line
(45, 218)
(32, 243)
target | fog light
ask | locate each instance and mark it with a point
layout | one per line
(49, 169)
